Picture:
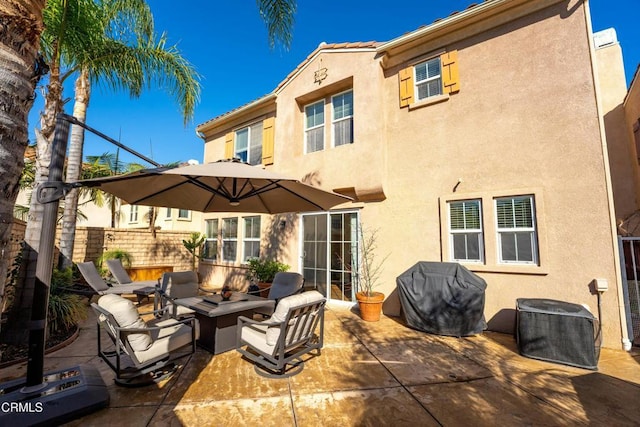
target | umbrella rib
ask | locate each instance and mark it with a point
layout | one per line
(276, 183)
(303, 198)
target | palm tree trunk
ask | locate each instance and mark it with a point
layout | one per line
(20, 29)
(74, 167)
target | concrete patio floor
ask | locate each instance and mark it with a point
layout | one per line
(372, 374)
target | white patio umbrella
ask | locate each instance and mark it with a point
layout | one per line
(222, 186)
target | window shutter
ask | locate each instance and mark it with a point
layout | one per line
(450, 77)
(228, 146)
(268, 140)
(405, 77)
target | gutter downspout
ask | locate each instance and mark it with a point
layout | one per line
(626, 343)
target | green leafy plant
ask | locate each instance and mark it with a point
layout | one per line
(65, 309)
(125, 257)
(264, 270)
(194, 246)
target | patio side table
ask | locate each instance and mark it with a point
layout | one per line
(143, 293)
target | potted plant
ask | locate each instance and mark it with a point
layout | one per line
(368, 275)
(262, 271)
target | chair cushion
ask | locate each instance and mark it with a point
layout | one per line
(127, 316)
(280, 314)
(172, 337)
(285, 284)
(181, 284)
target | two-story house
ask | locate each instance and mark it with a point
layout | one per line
(478, 139)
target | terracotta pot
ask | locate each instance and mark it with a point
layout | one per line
(264, 285)
(370, 306)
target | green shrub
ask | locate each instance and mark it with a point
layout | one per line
(264, 270)
(65, 309)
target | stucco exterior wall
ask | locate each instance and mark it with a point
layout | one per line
(525, 122)
(621, 144)
(631, 224)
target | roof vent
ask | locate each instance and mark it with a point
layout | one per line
(605, 38)
(322, 44)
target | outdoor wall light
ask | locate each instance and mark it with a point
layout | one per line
(283, 224)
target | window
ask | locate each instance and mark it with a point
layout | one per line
(251, 240)
(517, 239)
(133, 213)
(342, 118)
(465, 231)
(314, 127)
(229, 239)
(428, 79)
(184, 213)
(210, 250)
(168, 215)
(248, 147)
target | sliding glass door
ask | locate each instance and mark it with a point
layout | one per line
(330, 253)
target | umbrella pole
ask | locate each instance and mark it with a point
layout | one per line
(37, 332)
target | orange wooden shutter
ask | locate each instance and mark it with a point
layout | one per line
(450, 77)
(228, 146)
(405, 77)
(268, 140)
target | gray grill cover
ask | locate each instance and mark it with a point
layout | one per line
(442, 298)
(557, 331)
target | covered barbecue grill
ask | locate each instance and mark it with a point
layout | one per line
(442, 298)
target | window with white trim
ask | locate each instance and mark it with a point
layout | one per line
(465, 231)
(342, 118)
(133, 213)
(210, 249)
(184, 214)
(516, 229)
(248, 144)
(251, 238)
(428, 78)
(314, 127)
(168, 214)
(229, 239)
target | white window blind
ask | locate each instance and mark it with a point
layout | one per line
(428, 79)
(465, 230)
(314, 127)
(248, 144)
(343, 118)
(517, 236)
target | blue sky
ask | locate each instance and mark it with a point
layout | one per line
(227, 43)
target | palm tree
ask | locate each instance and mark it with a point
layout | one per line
(122, 65)
(20, 70)
(22, 24)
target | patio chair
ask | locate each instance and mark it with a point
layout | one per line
(122, 277)
(92, 277)
(277, 345)
(284, 284)
(144, 353)
(174, 285)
